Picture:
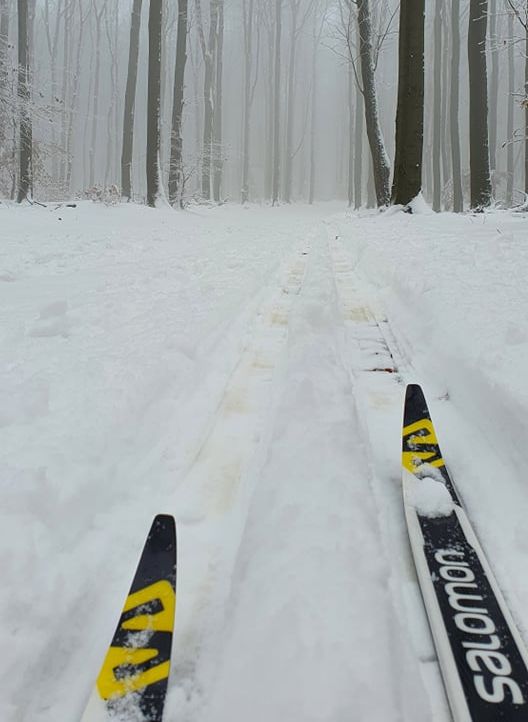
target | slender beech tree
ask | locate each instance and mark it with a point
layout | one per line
(248, 18)
(4, 74)
(410, 115)
(176, 172)
(522, 17)
(494, 84)
(458, 198)
(478, 106)
(380, 159)
(276, 104)
(208, 55)
(130, 102)
(153, 106)
(24, 99)
(511, 102)
(437, 106)
(218, 162)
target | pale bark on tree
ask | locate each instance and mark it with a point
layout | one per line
(130, 102)
(317, 35)
(380, 159)
(437, 108)
(444, 126)
(526, 103)
(113, 50)
(351, 135)
(24, 99)
(248, 14)
(4, 72)
(92, 153)
(358, 146)
(511, 101)
(65, 95)
(153, 102)
(218, 161)
(481, 193)
(52, 39)
(208, 55)
(74, 95)
(458, 198)
(410, 115)
(494, 84)
(270, 98)
(276, 104)
(176, 172)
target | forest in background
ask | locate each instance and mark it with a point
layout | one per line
(258, 100)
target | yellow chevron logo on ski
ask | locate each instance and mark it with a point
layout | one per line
(421, 434)
(130, 657)
(162, 621)
(117, 657)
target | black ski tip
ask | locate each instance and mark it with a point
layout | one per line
(415, 405)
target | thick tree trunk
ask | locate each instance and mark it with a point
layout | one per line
(313, 122)
(437, 109)
(276, 104)
(26, 130)
(153, 108)
(130, 102)
(176, 173)
(511, 103)
(458, 198)
(380, 160)
(410, 116)
(478, 106)
(74, 97)
(218, 163)
(526, 106)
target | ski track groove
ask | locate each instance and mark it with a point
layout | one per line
(380, 370)
(216, 486)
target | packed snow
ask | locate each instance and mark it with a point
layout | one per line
(244, 369)
(431, 498)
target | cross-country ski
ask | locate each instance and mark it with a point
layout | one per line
(482, 656)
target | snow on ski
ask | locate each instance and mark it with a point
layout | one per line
(132, 683)
(482, 657)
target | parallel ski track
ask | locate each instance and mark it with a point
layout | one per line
(379, 371)
(218, 485)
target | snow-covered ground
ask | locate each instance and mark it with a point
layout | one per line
(229, 366)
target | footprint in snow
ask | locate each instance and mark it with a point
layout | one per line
(52, 321)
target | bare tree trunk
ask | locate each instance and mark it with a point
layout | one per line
(95, 118)
(437, 109)
(153, 109)
(248, 14)
(130, 102)
(26, 130)
(526, 105)
(52, 41)
(4, 72)
(410, 117)
(290, 116)
(478, 106)
(276, 104)
(66, 73)
(380, 160)
(358, 145)
(351, 136)
(270, 116)
(218, 163)
(313, 111)
(458, 198)
(74, 97)
(176, 174)
(444, 124)
(208, 54)
(494, 85)
(511, 102)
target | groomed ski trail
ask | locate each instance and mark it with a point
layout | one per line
(303, 619)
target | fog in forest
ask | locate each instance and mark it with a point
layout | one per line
(273, 108)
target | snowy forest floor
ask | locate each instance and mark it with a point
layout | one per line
(231, 366)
